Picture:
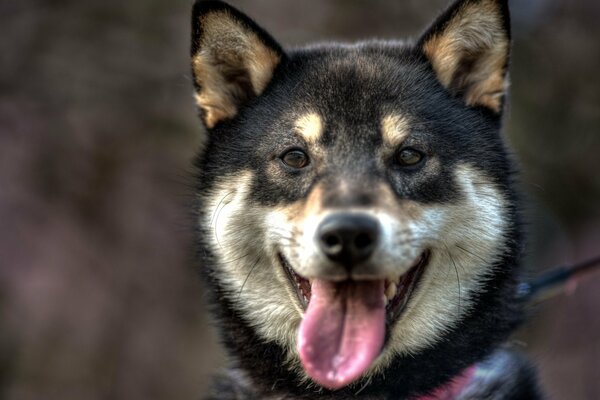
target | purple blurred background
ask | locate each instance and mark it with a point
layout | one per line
(98, 294)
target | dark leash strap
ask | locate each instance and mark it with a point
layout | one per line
(550, 283)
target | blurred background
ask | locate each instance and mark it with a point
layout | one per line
(99, 298)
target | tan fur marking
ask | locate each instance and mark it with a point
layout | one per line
(311, 206)
(394, 128)
(310, 127)
(388, 201)
(228, 47)
(475, 31)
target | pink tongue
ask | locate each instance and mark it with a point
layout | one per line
(342, 331)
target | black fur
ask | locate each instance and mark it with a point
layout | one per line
(325, 77)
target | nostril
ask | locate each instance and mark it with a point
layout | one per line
(332, 244)
(363, 241)
(331, 240)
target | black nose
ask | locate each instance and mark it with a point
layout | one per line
(348, 238)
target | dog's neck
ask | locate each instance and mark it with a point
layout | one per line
(453, 388)
(505, 375)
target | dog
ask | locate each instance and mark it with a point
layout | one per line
(358, 226)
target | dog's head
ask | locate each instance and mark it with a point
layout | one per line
(355, 199)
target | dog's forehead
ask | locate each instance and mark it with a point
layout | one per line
(367, 90)
(358, 73)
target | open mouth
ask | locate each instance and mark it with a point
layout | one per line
(344, 324)
(395, 295)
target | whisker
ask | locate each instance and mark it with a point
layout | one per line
(471, 253)
(236, 259)
(248, 276)
(457, 279)
(216, 214)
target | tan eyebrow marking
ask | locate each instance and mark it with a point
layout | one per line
(394, 128)
(310, 127)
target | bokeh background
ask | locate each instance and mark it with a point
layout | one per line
(99, 297)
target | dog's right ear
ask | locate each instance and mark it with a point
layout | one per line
(468, 48)
(233, 60)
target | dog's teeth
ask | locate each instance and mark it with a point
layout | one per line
(391, 291)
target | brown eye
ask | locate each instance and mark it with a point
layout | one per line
(408, 157)
(295, 159)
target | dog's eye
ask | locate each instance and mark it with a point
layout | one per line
(295, 159)
(408, 157)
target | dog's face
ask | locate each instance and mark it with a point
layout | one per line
(354, 199)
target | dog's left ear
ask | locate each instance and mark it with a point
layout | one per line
(233, 60)
(468, 47)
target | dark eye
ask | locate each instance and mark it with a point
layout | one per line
(407, 157)
(295, 159)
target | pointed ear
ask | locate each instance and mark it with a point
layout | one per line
(233, 60)
(468, 47)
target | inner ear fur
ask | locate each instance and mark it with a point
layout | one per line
(233, 60)
(468, 48)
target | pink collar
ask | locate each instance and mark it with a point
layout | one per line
(452, 389)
